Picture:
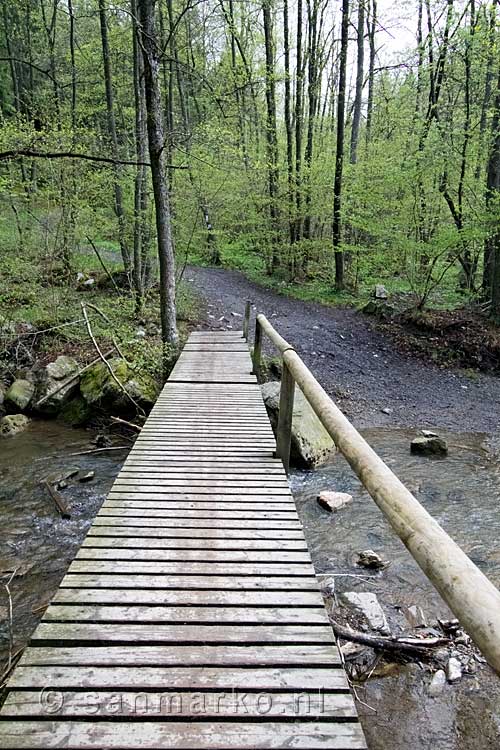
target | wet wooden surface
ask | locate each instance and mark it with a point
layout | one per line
(190, 617)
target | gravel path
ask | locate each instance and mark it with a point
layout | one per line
(354, 362)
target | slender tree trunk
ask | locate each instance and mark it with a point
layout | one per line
(288, 122)
(339, 155)
(110, 108)
(491, 273)
(358, 100)
(140, 183)
(271, 135)
(312, 95)
(156, 139)
(372, 27)
(299, 82)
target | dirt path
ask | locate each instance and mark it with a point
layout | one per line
(355, 363)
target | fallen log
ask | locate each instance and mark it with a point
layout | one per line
(58, 500)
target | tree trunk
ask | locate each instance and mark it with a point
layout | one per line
(108, 83)
(492, 244)
(339, 156)
(299, 75)
(156, 138)
(312, 95)
(271, 136)
(288, 122)
(372, 27)
(358, 101)
(140, 186)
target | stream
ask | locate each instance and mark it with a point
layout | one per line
(462, 492)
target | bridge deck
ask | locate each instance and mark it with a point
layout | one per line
(190, 617)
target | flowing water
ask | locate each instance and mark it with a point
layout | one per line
(462, 492)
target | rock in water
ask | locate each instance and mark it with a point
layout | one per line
(453, 670)
(429, 446)
(415, 617)
(437, 683)
(369, 559)
(13, 424)
(311, 444)
(368, 605)
(20, 394)
(333, 501)
(88, 477)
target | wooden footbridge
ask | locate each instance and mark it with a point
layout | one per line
(190, 617)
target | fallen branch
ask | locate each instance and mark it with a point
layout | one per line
(71, 379)
(10, 621)
(416, 646)
(14, 153)
(105, 317)
(101, 450)
(132, 426)
(110, 369)
(106, 271)
(58, 500)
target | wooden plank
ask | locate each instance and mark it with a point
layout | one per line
(199, 545)
(206, 735)
(180, 633)
(246, 503)
(220, 532)
(188, 598)
(323, 655)
(192, 568)
(76, 704)
(155, 491)
(243, 583)
(142, 479)
(199, 514)
(114, 552)
(189, 614)
(192, 523)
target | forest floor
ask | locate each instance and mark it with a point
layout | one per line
(370, 369)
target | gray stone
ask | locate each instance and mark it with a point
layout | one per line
(311, 444)
(99, 388)
(2, 393)
(429, 446)
(88, 477)
(371, 560)
(20, 394)
(63, 367)
(333, 501)
(380, 308)
(368, 605)
(380, 292)
(453, 670)
(415, 617)
(13, 424)
(437, 683)
(386, 410)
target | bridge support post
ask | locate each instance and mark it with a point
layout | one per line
(257, 349)
(285, 417)
(246, 319)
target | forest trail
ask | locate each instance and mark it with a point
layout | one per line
(356, 364)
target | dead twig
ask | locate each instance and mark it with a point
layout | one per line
(105, 317)
(106, 271)
(101, 450)
(10, 620)
(417, 646)
(110, 369)
(135, 427)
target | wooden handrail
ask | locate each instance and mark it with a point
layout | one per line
(468, 592)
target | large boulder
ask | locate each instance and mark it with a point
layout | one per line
(100, 389)
(19, 395)
(57, 385)
(76, 412)
(311, 444)
(429, 445)
(13, 424)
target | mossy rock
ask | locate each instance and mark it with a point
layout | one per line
(76, 412)
(99, 388)
(13, 424)
(20, 394)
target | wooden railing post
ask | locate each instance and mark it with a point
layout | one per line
(257, 348)
(246, 319)
(285, 417)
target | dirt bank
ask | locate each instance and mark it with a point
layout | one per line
(357, 364)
